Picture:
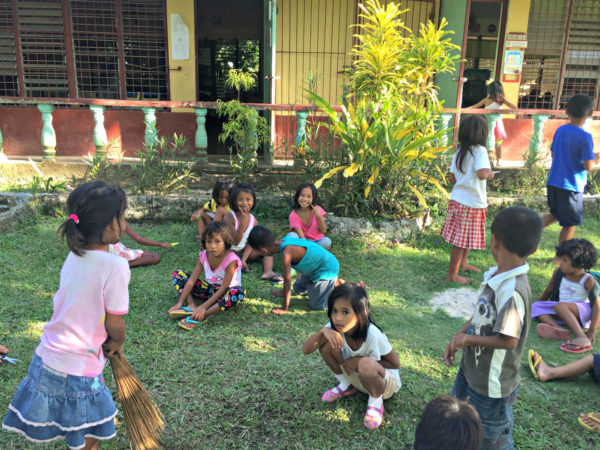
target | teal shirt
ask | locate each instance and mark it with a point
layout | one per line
(317, 263)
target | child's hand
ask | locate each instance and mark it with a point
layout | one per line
(195, 215)
(245, 265)
(316, 210)
(176, 306)
(456, 343)
(3, 349)
(351, 364)
(591, 335)
(279, 311)
(334, 338)
(111, 347)
(199, 313)
(164, 245)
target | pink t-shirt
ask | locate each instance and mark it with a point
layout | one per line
(311, 231)
(90, 286)
(216, 276)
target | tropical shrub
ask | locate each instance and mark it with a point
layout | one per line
(390, 149)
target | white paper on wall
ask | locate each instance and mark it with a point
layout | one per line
(180, 38)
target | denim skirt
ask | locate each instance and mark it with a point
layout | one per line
(51, 405)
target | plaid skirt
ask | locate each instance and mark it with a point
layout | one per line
(464, 226)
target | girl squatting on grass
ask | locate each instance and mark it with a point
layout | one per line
(221, 289)
(216, 208)
(464, 227)
(357, 351)
(63, 395)
(307, 217)
(571, 297)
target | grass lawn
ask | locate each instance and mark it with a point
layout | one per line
(242, 381)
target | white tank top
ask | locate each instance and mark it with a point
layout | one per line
(571, 291)
(244, 240)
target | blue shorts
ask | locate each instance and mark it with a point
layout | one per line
(51, 405)
(496, 414)
(565, 206)
(595, 370)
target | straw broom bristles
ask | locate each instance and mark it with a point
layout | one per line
(143, 418)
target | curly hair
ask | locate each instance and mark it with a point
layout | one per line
(581, 252)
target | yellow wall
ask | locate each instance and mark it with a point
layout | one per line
(516, 22)
(182, 82)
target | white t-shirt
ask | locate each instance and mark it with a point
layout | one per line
(470, 190)
(375, 346)
(90, 286)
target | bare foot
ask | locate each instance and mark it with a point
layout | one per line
(279, 311)
(467, 266)
(581, 341)
(542, 369)
(457, 279)
(592, 420)
(267, 275)
(339, 282)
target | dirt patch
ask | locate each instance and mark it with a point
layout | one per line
(457, 302)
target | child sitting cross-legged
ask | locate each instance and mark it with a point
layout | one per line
(494, 338)
(572, 297)
(222, 287)
(317, 268)
(588, 364)
(356, 350)
(307, 218)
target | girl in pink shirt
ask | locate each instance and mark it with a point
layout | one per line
(307, 218)
(221, 287)
(63, 395)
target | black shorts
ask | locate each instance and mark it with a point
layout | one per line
(595, 371)
(566, 206)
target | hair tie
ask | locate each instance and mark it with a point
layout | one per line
(74, 218)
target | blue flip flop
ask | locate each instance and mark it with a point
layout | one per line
(189, 324)
(180, 313)
(273, 279)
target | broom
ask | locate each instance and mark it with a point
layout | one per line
(143, 418)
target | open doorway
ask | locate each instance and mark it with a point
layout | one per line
(484, 42)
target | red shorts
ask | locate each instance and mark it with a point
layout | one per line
(464, 226)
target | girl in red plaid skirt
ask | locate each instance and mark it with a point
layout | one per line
(465, 222)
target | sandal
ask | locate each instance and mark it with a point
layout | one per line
(336, 393)
(595, 419)
(180, 313)
(533, 363)
(373, 417)
(189, 324)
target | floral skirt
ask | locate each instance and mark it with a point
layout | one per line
(204, 290)
(51, 405)
(464, 226)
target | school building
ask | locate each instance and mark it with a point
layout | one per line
(76, 76)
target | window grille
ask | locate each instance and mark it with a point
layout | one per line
(9, 85)
(41, 33)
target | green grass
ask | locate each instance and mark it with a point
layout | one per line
(242, 381)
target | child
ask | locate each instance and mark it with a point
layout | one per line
(464, 227)
(240, 222)
(3, 351)
(494, 338)
(317, 268)
(135, 257)
(590, 364)
(307, 218)
(357, 351)
(574, 298)
(495, 100)
(216, 208)
(572, 156)
(63, 395)
(448, 424)
(222, 287)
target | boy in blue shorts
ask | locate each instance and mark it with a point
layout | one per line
(317, 268)
(494, 338)
(572, 156)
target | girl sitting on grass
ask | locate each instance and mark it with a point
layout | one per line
(135, 257)
(572, 297)
(240, 223)
(63, 395)
(216, 208)
(357, 351)
(307, 218)
(222, 287)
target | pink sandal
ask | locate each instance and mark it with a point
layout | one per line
(373, 417)
(336, 393)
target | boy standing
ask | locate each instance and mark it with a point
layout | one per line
(494, 338)
(317, 268)
(572, 156)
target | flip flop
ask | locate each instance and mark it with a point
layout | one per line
(549, 332)
(581, 349)
(275, 279)
(533, 364)
(189, 324)
(180, 313)
(588, 427)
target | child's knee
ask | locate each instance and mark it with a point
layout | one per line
(369, 368)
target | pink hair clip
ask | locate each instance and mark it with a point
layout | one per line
(74, 218)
